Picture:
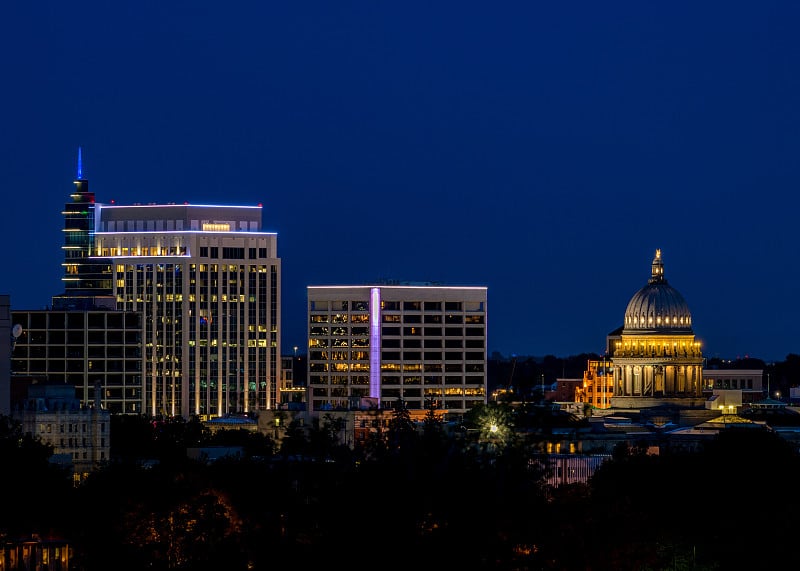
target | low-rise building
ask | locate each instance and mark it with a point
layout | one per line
(79, 434)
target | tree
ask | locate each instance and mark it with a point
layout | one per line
(32, 484)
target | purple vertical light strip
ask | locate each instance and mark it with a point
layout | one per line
(375, 343)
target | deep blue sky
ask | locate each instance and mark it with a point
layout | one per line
(544, 150)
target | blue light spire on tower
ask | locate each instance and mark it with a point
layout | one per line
(80, 165)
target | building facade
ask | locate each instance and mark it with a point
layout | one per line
(79, 434)
(424, 345)
(207, 282)
(597, 386)
(85, 349)
(655, 355)
(204, 283)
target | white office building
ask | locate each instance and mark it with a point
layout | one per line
(207, 282)
(377, 345)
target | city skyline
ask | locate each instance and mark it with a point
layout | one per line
(544, 152)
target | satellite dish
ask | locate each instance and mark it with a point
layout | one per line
(16, 331)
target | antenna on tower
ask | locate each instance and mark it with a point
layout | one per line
(80, 165)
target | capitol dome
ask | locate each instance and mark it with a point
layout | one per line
(657, 307)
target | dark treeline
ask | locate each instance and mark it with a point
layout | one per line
(413, 495)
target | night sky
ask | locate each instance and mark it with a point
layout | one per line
(544, 150)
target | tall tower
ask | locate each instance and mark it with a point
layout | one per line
(206, 280)
(87, 282)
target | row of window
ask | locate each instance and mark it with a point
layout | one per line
(729, 383)
(75, 320)
(342, 331)
(434, 367)
(47, 428)
(409, 403)
(397, 318)
(456, 392)
(233, 253)
(396, 356)
(339, 380)
(77, 351)
(318, 305)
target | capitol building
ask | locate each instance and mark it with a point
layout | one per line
(656, 359)
(652, 359)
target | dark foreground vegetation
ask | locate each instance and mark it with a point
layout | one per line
(424, 499)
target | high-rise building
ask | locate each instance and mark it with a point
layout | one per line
(204, 281)
(424, 345)
(207, 281)
(87, 279)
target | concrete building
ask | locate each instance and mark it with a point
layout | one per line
(721, 382)
(423, 344)
(79, 434)
(597, 386)
(293, 393)
(205, 282)
(84, 349)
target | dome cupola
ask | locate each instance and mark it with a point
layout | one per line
(657, 307)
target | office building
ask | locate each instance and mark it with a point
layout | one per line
(377, 345)
(207, 281)
(84, 348)
(86, 279)
(204, 283)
